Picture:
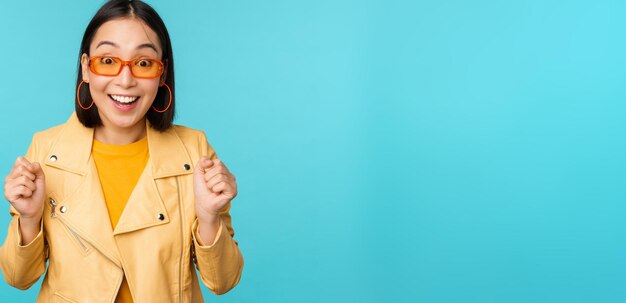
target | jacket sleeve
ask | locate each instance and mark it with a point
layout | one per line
(22, 263)
(220, 263)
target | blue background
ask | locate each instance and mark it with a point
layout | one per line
(386, 151)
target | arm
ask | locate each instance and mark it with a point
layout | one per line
(217, 254)
(22, 263)
(220, 262)
(23, 255)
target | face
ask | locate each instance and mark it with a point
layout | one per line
(123, 100)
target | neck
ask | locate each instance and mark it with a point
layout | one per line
(109, 134)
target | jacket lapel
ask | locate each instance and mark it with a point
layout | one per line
(83, 201)
(145, 207)
(72, 150)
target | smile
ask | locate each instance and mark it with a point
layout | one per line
(124, 99)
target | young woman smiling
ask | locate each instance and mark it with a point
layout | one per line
(122, 204)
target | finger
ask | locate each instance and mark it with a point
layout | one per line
(23, 181)
(36, 169)
(13, 194)
(22, 170)
(7, 192)
(25, 171)
(226, 189)
(220, 164)
(20, 161)
(217, 179)
(25, 191)
(219, 187)
(219, 168)
(10, 196)
(19, 192)
(13, 188)
(203, 164)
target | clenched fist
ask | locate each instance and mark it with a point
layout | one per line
(214, 187)
(25, 189)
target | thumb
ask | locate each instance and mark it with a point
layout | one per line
(36, 169)
(203, 164)
(198, 176)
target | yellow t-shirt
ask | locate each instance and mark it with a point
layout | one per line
(119, 168)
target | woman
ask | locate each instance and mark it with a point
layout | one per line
(119, 201)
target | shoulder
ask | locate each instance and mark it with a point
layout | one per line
(47, 137)
(50, 135)
(43, 141)
(188, 134)
(193, 139)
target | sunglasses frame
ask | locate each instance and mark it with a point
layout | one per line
(124, 63)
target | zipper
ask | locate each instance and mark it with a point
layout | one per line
(182, 243)
(53, 204)
(53, 213)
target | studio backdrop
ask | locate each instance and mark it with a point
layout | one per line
(386, 151)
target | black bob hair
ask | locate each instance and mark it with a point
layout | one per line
(119, 9)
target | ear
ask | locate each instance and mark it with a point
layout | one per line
(164, 74)
(84, 67)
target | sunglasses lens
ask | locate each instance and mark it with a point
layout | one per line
(146, 68)
(106, 66)
(141, 68)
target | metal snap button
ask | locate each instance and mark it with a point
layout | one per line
(63, 209)
(161, 217)
(187, 166)
(53, 158)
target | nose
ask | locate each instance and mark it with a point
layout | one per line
(126, 79)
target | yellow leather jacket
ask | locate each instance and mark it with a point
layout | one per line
(154, 244)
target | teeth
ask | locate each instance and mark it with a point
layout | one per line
(124, 99)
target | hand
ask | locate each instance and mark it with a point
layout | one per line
(24, 187)
(214, 187)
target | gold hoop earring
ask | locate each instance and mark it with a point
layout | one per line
(78, 97)
(168, 105)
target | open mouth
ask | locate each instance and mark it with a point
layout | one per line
(124, 100)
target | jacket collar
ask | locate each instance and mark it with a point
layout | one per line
(72, 150)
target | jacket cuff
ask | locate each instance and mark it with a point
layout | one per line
(220, 264)
(22, 265)
(34, 243)
(196, 235)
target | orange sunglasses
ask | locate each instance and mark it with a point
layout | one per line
(139, 68)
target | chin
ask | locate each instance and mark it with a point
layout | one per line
(124, 122)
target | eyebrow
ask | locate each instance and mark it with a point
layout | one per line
(145, 45)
